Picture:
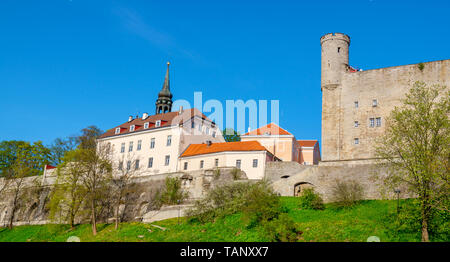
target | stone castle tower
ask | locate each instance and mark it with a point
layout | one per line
(164, 101)
(356, 103)
(335, 47)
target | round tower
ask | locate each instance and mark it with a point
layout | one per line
(334, 58)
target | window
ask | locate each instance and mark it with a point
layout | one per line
(167, 160)
(146, 125)
(378, 121)
(130, 147)
(207, 131)
(132, 128)
(150, 162)
(238, 163)
(192, 124)
(139, 145)
(200, 127)
(356, 104)
(120, 165)
(216, 162)
(339, 49)
(372, 122)
(185, 165)
(158, 123)
(356, 141)
(152, 143)
(201, 164)
(374, 103)
(214, 134)
(356, 123)
(118, 130)
(169, 140)
(255, 162)
(128, 165)
(136, 164)
(122, 148)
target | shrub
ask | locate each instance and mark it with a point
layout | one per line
(236, 173)
(257, 202)
(281, 229)
(346, 193)
(216, 173)
(311, 200)
(172, 192)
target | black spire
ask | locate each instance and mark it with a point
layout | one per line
(164, 101)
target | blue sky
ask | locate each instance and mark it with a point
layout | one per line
(66, 64)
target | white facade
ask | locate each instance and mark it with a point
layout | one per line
(156, 150)
(251, 162)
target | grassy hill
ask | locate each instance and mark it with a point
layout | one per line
(369, 218)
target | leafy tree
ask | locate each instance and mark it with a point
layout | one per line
(95, 166)
(26, 160)
(172, 192)
(122, 181)
(88, 137)
(10, 151)
(60, 147)
(416, 148)
(68, 195)
(231, 135)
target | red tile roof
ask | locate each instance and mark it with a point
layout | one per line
(167, 119)
(270, 129)
(306, 143)
(201, 149)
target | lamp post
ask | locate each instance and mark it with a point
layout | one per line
(397, 191)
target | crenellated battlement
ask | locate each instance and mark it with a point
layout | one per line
(335, 36)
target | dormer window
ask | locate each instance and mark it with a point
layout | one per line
(158, 123)
(145, 125)
(132, 128)
(117, 131)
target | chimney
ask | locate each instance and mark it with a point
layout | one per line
(181, 110)
(130, 118)
(144, 116)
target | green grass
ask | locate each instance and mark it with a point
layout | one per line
(369, 218)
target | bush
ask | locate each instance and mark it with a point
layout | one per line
(346, 193)
(311, 200)
(257, 201)
(172, 192)
(281, 229)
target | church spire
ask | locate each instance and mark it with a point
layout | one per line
(164, 101)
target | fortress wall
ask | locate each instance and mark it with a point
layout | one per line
(324, 178)
(387, 86)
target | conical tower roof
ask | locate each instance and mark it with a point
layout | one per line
(165, 91)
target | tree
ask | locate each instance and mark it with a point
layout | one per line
(68, 196)
(416, 148)
(26, 163)
(127, 168)
(231, 135)
(37, 156)
(96, 173)
(60, 147)
(88, 137)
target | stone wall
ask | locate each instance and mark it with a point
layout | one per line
(324, 178)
